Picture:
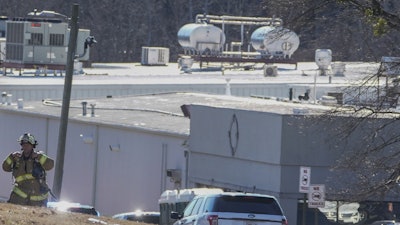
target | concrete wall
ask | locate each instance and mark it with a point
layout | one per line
(130, 177)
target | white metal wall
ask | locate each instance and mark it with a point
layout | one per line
(257, 151)
(130, 177)
(38, 92)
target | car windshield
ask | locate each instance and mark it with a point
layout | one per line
(247, 204)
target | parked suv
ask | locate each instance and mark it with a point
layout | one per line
(232, 208)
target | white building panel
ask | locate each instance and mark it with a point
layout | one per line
(80, 162)
(112, 167)
(234, 173)
(246, 141)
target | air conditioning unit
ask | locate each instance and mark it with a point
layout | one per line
(390, 66)
(2, 49)
(155, 56)
(270, 71)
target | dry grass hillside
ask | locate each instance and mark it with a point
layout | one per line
(11, 214)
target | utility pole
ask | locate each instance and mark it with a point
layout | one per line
(59, 167)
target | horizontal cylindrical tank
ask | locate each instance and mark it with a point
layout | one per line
(201, 37)
(275, 41)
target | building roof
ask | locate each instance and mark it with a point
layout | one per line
(135, 73)
(161, 111)
(158, 112)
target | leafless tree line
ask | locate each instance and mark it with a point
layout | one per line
(122, 27)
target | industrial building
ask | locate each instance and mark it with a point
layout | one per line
(124, 153)
(116, 156)
(138, 137)
(137, 131)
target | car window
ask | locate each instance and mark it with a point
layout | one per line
(189, 208)
(208, 204)
(247, 204)
(196, 207)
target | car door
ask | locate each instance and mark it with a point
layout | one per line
(190, 213)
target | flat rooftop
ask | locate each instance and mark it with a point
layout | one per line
(158, 112)
(127, 79)
(160, 109)
(135, 73)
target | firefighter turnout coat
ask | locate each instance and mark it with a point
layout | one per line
(30, 188)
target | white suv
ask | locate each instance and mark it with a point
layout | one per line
(232, 209)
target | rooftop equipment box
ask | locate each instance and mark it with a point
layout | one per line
(41, 43)
(155, 56)
(2, 49)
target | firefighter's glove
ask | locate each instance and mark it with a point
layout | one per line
(15, 156)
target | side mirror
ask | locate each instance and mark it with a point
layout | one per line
(175, 216)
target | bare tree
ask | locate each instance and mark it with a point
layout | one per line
(370, 117)
(382, 15)
(370, 165)
(122, 27)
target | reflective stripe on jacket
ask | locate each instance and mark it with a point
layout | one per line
(9, 161)
(22, 194)
(24, 177)
(26, 186)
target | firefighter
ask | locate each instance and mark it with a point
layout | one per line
(28, 169)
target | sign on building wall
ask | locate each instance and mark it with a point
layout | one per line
(316, 196)
(305, 179)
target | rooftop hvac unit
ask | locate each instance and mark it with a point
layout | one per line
(390, 66)
(155, 56)
(41, 43)
(3, 20)
(2, 49)
(270, 71)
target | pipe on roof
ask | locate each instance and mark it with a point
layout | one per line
(238, 20)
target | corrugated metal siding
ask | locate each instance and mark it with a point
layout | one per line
(39, 92)
(15, 41)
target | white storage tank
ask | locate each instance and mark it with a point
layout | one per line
(275, 41)
(323, 58)
(201, 38)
